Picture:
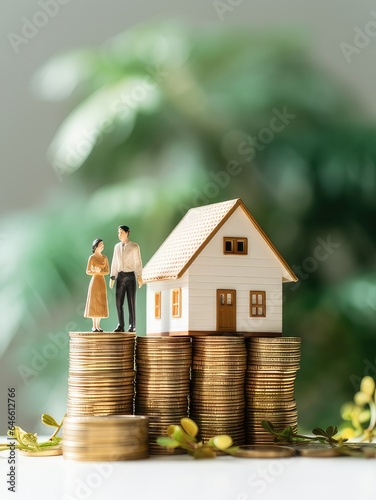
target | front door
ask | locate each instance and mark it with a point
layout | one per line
(226, 310)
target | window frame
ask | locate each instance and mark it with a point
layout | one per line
(157, 305)
(234, 245)
(176, 303)
(256, 294)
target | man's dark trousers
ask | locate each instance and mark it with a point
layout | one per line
(126, 284)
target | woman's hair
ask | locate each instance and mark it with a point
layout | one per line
(95, 244)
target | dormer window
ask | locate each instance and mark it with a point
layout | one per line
(233, 246)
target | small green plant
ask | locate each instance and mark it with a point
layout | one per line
(288, 435)
(29, 442)
(329, 436)
(360, 414)
(184, 436)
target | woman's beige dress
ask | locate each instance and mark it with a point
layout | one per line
(96, 302)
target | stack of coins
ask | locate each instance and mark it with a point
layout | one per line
(269, 387)
(101, 374)
(162, 383)
(217, 394)
(106, 438)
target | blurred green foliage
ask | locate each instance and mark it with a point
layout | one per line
(161, 119)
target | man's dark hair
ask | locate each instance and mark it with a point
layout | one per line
(124, 228)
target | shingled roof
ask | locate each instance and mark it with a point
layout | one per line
(192, 234)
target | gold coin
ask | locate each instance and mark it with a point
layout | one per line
(110, 419)
(267, 350)
(266, 368)
(276, 451)
(162, 393)
(274, 340)
(165, 377)
(317, 450)
(158, 350)
(260, 360)
(237, 364)
(161, 338)
(50, 451)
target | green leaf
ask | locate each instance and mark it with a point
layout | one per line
(364, 416)
(48, 420)
(362, 398)
(367, 385)
(267, 425)
(319, 432)
(287, 433)
(26, 439)
(222, 442)
(168, 442)
(347, 410)
(189, 426)
(331, 431)
(31, 441)
(51, 442)
(231, 450)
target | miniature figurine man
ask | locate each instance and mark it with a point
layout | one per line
(126, 267)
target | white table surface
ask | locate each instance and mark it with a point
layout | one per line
(182, 477)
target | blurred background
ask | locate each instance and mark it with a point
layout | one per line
(132, 113)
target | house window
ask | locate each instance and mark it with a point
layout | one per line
(176, 302)
(257, 304)
(157, 305)
(235, 246)
(225, 299)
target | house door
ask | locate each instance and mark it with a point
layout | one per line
(226, 310)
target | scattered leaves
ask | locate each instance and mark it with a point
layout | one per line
(360, 414)
(184, 436)
(29, 442)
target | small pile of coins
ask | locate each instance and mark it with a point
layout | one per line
(217, 394)
(101, 374)
(269, 388)
(162, 383)
(106, 438)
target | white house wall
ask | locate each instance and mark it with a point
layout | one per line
(259, 270)
(166, 323)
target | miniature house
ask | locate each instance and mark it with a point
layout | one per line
(216, 272)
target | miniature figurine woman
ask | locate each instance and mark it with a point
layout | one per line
(96, 303)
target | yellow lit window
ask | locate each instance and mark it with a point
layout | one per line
(157, 305)
(176, 303)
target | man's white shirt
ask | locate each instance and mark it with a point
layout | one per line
(126, 258)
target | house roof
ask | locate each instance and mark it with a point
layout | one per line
(192, 234)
